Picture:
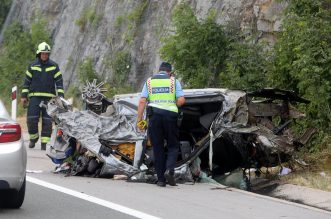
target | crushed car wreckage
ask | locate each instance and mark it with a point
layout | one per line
(220, 130)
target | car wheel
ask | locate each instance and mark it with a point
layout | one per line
(16, 198)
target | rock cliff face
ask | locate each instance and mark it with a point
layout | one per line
(102, 29)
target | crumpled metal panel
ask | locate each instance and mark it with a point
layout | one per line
(57, 150)
(234, 113)
(114, 166)
(88, 127)
(233, 117)
(126, 104)
(233, 121)
(183, 173)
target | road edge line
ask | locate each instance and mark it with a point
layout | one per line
(95, 200)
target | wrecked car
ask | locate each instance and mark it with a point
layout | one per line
(220, 130)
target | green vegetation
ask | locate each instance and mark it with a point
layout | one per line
(86, 71)
(18, 50)
(89, 16)
(74, 93)
(4, 9)
(132, 20)
(121, 66)
(206, 54)
(198, 49)
(302, 58)
(119, 62)
(246, 63)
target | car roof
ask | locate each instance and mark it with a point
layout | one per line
(3, 112)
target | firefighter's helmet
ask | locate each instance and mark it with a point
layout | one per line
(43, 47)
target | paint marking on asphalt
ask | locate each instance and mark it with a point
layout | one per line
(111, 205)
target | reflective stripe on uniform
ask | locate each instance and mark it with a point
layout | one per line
(34, 136)
(36, 68)
(57, 74)
(60, 91)
(40, 94)
(171, 88)
(162, 101)
(50, 68)
(45, 139)
(25, 90)
(47, 118)
(149, 88)
(28, 74)
(162, 94)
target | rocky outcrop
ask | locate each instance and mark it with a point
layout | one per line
(100, 29)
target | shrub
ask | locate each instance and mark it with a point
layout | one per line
(18, 50)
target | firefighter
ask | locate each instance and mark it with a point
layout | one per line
(43, 80)
(164, 95)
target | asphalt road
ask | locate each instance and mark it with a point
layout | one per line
(52, 195)
(41, 203)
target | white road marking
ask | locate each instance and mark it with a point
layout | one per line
(34, 171)
(111, 205)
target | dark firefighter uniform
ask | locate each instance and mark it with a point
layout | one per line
(43, 80)
(161, 92)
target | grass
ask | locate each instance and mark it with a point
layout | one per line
(317, 174)
(89, 15)
(317, 180)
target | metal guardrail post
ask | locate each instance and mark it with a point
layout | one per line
(14, 102)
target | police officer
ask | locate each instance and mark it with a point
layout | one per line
(43, 80)
(164, 95)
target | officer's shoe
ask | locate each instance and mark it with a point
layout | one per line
(43, 146)
(170, 178)
(32, 144)
(161, 184)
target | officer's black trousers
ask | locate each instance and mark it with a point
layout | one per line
(34, 112)
(163, 128)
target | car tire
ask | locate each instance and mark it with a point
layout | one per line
(16, 198)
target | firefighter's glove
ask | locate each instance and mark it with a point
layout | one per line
(142, 124)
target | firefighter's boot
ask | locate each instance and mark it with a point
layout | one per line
(43, 146)
(32, 144)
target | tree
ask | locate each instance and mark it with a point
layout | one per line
(302, 58)
(18, 50)
(205, 55)
(198, 49)
(246, 66)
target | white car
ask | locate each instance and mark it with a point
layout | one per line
(13, 157)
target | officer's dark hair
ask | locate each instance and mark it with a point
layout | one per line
(165, 66)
